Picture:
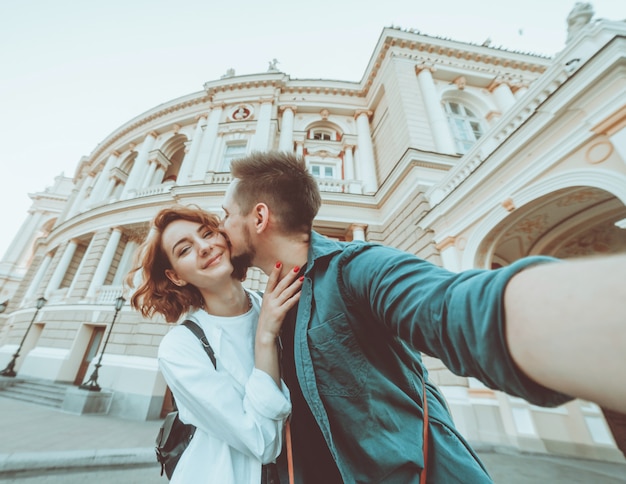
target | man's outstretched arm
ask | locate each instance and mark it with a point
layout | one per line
(566, 327)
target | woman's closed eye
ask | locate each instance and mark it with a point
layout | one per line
(184, 250)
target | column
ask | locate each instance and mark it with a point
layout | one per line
(34, 285)
(79, 271)
(260, 141)
(348, 162)
(125, 262)
(139, 167)
(23, 238)
(366, 151)
(61, 268)
(358, 231)
(80, 197)
(105, 262)
(186, 167)
(149, 175)
(285, 143)
(203, 160)
(110, 188)
(299, 149)
(97, 194)
(161, 169)
(354, 186)
(502, 94)
(449, 253)
(442, 137)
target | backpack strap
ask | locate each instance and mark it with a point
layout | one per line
(197, 330)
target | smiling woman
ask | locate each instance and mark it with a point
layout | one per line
(240, 405)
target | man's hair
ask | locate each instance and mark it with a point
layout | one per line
(280, 180)
(156, 293)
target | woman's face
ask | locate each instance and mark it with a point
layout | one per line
(198, 255)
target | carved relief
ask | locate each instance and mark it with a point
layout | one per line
(580, 196)
(460, 82)
(509, 205)
(242, 112)
(598, 152)
(530, 227)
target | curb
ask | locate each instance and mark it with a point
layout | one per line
(30, 461)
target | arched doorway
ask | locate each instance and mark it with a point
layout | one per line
(571, 222)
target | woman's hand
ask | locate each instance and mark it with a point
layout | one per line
(280, 296)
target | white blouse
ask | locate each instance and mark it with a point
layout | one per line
(238, 410)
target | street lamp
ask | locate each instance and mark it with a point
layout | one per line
(92, 383)
(9, 370)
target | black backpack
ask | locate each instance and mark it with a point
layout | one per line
(174, 436)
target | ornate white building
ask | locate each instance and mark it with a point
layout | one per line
(466, 155)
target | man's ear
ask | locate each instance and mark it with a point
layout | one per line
(172, 276)
(261, 217)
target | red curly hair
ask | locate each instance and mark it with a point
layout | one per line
(156, 293)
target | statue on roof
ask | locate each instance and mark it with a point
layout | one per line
(580, 16)
(272, 66)
(229, 73)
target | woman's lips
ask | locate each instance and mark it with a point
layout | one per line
(212, 260)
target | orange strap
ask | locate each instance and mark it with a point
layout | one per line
(289, 451)
(425, 443)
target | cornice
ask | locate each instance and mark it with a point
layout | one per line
(409, 44)
(436, 51)
(144, 119)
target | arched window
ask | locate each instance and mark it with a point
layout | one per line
(465, 126)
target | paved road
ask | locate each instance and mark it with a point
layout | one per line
(505, 469)
(34, 437)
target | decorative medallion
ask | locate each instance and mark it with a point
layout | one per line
(242, 112)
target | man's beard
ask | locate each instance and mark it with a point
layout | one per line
(242, 260)
(247, 256)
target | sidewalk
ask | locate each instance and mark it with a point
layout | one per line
(40, 438)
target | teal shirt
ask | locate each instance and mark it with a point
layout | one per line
(366, 312)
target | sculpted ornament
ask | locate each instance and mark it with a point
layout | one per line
(241, 113)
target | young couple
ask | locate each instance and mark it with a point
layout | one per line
(353, 319)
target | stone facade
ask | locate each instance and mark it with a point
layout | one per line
(466, 155)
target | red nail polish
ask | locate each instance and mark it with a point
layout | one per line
(296, 269)
(278, 264)
(301, 278)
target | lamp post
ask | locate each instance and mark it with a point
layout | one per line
(92, 383)
(9, 370)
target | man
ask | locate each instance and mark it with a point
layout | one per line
(537, 329)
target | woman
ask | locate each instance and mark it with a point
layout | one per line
(240, 406)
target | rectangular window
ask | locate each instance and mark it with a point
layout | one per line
(232, 152)
(322, 171)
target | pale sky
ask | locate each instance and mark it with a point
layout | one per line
(73, 71)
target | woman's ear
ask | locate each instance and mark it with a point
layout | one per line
(172, 276)
(261, 217)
